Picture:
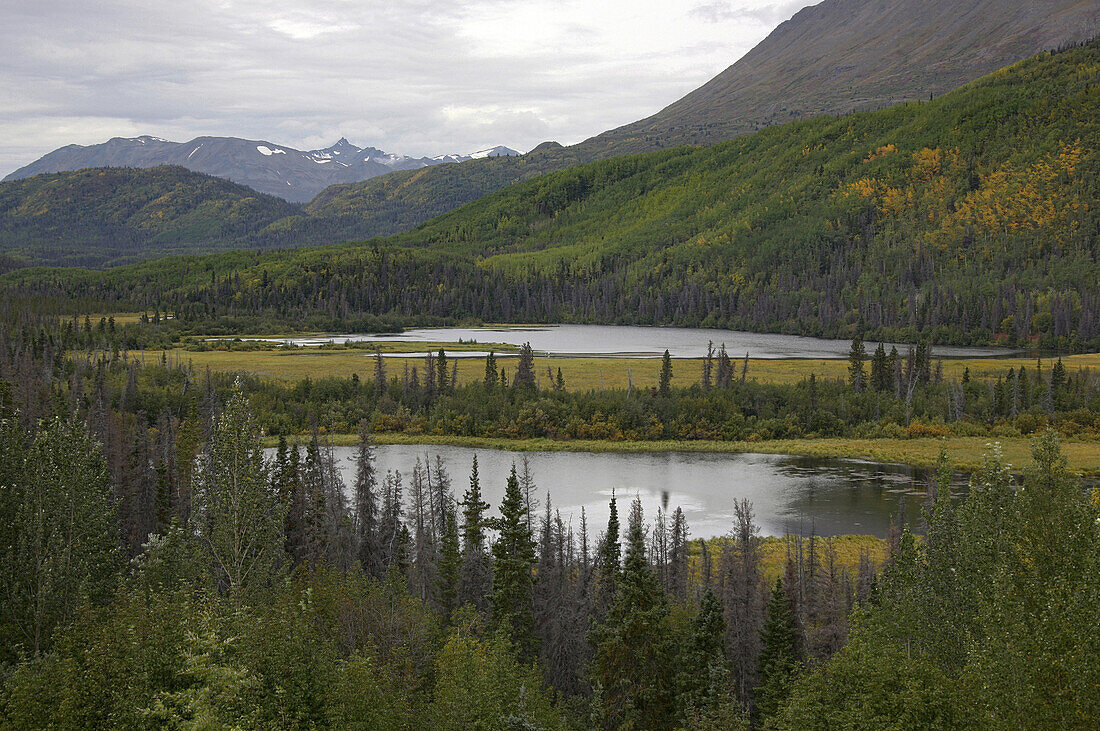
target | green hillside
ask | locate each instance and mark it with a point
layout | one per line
(834, 57)
(108, 216)
(969, 219)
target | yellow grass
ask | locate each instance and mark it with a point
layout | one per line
(121, 318)
(847, 548)
(579, 373)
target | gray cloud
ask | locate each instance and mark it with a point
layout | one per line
(416, 77)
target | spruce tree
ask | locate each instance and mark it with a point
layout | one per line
(856, 356)
(474, 578)
(705, 693)
(723, 375)
(525, 369)
(880, 369)
(633, 668)
(379, 373)
(607, 559)
(513, 559)
(780, 654)
(366, 504)
(450, 562)
(490, 371)
(443, 376)
(665, 379)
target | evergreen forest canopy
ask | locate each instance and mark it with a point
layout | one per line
(112, 216)
(969, 219)
(159, 572)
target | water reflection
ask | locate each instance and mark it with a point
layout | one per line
(636, 341)
(831, 496)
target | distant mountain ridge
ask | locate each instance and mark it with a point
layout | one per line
(278, 170)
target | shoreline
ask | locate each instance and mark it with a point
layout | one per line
(963, 453)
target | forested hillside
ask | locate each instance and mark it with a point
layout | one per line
(968, 219)
(108, 216)
(831, 58)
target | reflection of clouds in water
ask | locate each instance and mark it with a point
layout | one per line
(786, 492)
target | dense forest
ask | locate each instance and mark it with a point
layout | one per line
(967, 219)
(112, 216)
(158, 571)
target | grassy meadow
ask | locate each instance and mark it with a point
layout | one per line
(292, 364)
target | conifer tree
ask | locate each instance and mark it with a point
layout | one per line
(723, 374)
(856, 356)
(316, 534)
(293, 500)
(1057, 382)
(678, 557)
(379, 373)
(665, 378)
(708, 366)
(490, 371)
(705, 690)
(450, 562)
(633, 669)
(474, 580)
(391, 520)
(525, 369)
(365, 504)
(742, 598)
(513, 559)
(423, 559)
(880, 369)
(780, 654)
(443, 376)
(607, 560)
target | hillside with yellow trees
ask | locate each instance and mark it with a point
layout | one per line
(968, 219)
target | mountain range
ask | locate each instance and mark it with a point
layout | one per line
(829, 59)
(294, 175)
(968, 219)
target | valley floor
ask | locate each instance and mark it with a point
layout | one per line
(291, 364)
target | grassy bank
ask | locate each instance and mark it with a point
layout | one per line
(579, 373)
(964, 453)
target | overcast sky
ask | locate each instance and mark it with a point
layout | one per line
(415, 77)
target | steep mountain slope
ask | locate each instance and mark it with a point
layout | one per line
(269, 168)
(968, 219)
(831, 58)
(844, 55)
(105, 216)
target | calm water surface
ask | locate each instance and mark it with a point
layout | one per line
(788, 493)
(644, 342)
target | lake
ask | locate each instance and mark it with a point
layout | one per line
(631, 341)
(837, 496)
